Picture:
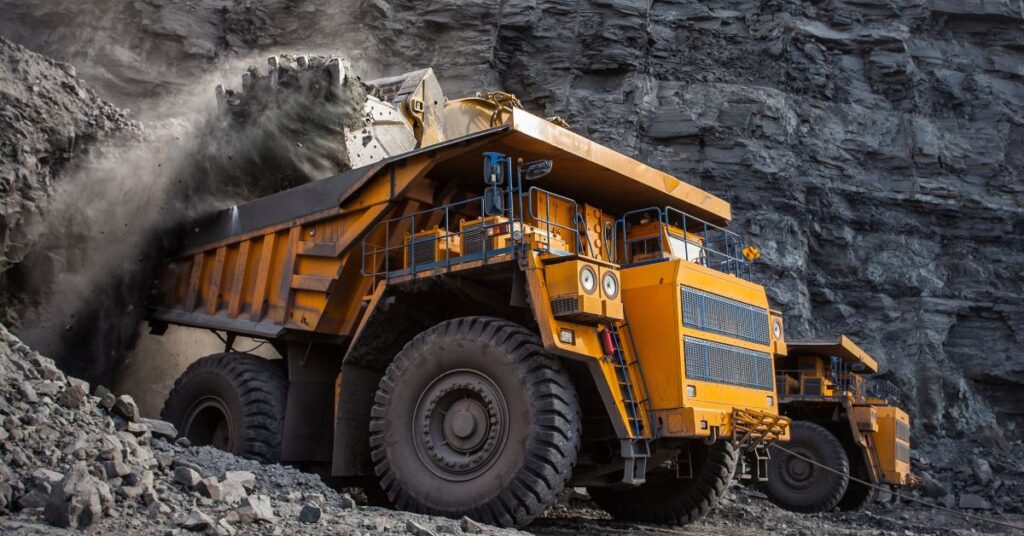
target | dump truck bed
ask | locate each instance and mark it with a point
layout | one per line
(291, 261)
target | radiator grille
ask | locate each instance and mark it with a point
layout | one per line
(722, 363)
(723, 316)
(902, 431)
(424, 251)
(473, 239)
(565, 305)
(903, 452)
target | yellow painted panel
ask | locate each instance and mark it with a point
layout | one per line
(650, 296)
(888, 444)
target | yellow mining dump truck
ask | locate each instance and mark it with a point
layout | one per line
(476, 323)
(843, 420)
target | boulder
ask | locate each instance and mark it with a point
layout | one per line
(974, 502)
(186, 476)
(255, 508)
(245, 478)
(75, 394)
(416, 529)
(469, 526)
(232, 492)
(79, 500)
(28, 393)
(197, 521)
(982, 471)
(310, 513)
(126, 407)
(209, 487)
(162, 429)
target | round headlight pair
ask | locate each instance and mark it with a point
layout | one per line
(609, 283)
(588, 279)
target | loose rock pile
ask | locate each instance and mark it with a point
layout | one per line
(986, 478)
(77, 460)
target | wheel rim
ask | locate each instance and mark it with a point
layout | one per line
(460, 424)
(207, 423)
(798, 472)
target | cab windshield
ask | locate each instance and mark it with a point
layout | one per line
(685, 249)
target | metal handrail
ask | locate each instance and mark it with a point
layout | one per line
(882, 389)
(373, 250)
(374, 253)
(725, 259)
(547, 211)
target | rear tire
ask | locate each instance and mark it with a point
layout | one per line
(800, 486)
(472, 418)
(231, 401)
(667, 500)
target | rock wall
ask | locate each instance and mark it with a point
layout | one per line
(48, 117)
(872, 149)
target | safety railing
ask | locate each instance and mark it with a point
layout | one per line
(546, 223)
(712, 246)
(809, 384)
(883, 390)
(842, 380)
(397, 237)
(409, 244)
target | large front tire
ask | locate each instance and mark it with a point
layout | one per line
(858, 496)
(471, 418)
(796, 484)
(668, 500)
(231, 401)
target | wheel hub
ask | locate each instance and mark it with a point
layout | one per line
(461, 420)
(207, 423)
(799, 470)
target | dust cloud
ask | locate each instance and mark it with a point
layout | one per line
(118, 213)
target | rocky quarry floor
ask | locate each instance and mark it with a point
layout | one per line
(77, 457)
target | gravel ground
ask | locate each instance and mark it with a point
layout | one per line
(74, 460)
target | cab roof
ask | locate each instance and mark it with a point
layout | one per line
(590, 172)
(844, 349)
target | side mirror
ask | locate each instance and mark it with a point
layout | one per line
(536, 169)
(494, 201)
(494, 168)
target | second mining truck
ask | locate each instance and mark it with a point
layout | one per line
(847, 434)
(476, 322)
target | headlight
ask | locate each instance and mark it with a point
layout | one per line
(588, 279)
(777, 329)
(610, 285)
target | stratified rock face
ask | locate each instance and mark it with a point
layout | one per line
(873, 150)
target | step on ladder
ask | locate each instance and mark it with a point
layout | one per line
(873, 458)
(637, 449)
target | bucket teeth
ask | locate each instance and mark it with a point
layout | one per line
(222, 98)
(273, 70)
(300, 61)
(246, 81)
(337, 72)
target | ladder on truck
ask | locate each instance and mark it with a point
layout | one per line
(873, 458)
(637, 449)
